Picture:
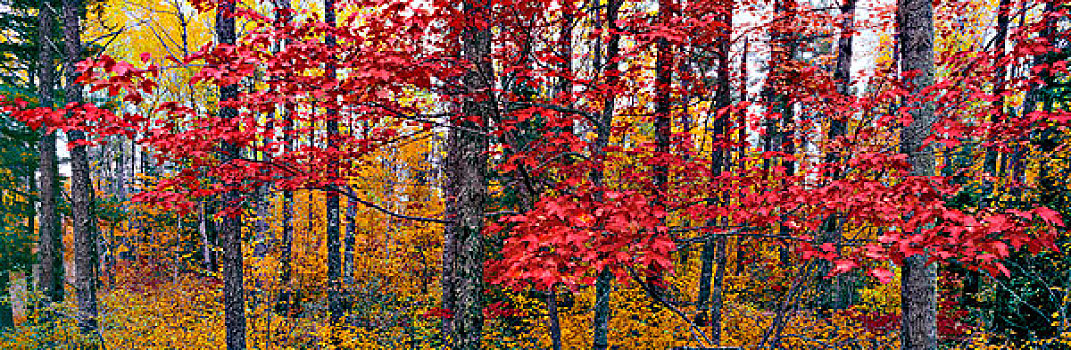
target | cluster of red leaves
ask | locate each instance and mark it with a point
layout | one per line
(569, 239)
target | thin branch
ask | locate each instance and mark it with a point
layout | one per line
(349, 193)
(423, 119)
(697, 333)
(590, 116)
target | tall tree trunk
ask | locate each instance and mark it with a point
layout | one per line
(85, 252)
(777, 135)
(466, 186)
(283, 304)
(7, 314)
(914, 21)
(662, 122)
(334, 224)
(350, 240)
(1036, 93)
(837, 128)
(604, 280)
(771, 138)
(741, 149)
(230, 232)
(712, 278)
(565, 92)
(785, 138)
(999, 41)
(50, 246)
(842, 73)
(203, 226)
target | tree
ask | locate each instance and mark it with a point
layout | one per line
(712, 283)
(334, 219)
(50, 247)
(603, 123)
(914, 20)
(466, 188)
(85, 226)
(230, 228)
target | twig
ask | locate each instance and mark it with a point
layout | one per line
(696, 331)
(350, 194)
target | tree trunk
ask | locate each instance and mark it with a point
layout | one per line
(553, 322)
(918, 280)
(604, 280)
(715, 253)
(999, 41)
(203, 225)
(350, 240)
(7, 314)
(662, 123)
(1036, 93)
(741, 150)
(334, 224)
(230, 230)
(466, 188)
(842, 74)
(837, 128)
(85, 244)
(283, 303)
(50, 247)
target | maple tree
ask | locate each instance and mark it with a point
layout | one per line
(588, 146)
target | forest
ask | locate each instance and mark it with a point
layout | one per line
(535, 174)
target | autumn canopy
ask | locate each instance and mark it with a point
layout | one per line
(537, 174)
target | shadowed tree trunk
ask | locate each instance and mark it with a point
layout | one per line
(334, 224)
(604, 280)
(283, 302)
(50, 246)
(663, 122)
(714, 256)
(1035, 95)
(230, 230)
(466, 188)
(85, 228)
(914, 20)
(999, 41)
(7, 315)
(565, 91)
(838, 291)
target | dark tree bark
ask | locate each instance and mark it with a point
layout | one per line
(604, 280)
(466, 187)
(285, 299)
(786, 137)
(714, 256)
(85, 228)
(663, 79)
(842, 74)
(783, 48)
(7, 314)
(230, 228)
(350, 241)
(565, 91)
(999, 43)
(1036, 93)
(914, 21)
(334, 224)
(50, 247)
(837, 128)
(554, 322)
